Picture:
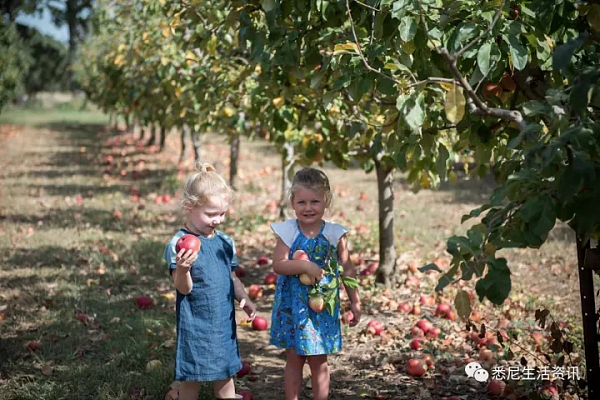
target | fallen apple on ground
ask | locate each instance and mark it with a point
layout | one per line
(246, 368)
(144, 301)
(375, 327)
(424, 325)
(416, 367)
(271, 278)
(404, 307)
(263, 260)
(496, 387)
(255, 292)
(188, 242)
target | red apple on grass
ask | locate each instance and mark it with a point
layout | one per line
(429, 360)
(416, 367)
(415, 344)
(34, 345)
(260, 324)
(144, 301)
(425, 326)
(549, 392)
(263, 260)
(404, 307)
(188, 242)
(443, 310)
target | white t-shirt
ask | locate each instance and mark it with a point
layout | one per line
(288, 230)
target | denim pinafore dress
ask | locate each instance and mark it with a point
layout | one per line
(293, 324)
(206, 345)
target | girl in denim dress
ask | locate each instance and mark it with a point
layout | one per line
(307, 335)
(206, 346)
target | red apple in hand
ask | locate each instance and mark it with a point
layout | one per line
(188, 242)
(246, 395)
(260, 324)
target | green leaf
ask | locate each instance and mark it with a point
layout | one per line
(430, 267)
(563, 53)
(496, 284)
(350, 282)
(462, 303)
(483, 57)
(414, 114)
(518, 52)
(407, 28)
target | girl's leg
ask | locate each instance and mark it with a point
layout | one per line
(224, 389)
(293, 374)
(189, 390)
(319, 370)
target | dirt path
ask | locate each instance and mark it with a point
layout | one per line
(46, 171)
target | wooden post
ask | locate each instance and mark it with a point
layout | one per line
(588, 311)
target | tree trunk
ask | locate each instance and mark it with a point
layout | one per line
(127, 123)
(196, 144)
(111, 117)
(588, 311)
(234, 155)
(387, 251)
(184, 130)
(163, 136)
(152, 138)
(287, 166)
(71, 19)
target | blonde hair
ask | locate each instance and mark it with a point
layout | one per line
(202, 185)
(312, 179)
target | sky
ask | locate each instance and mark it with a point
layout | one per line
(44, 24)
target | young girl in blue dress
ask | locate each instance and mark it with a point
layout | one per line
(306, 335)
(206, 348)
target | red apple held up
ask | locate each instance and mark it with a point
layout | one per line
(240, 272)
(260, 324)
(246, 368)
(271, 278)
(375, 327)
(255, 292)
(144, 301)
(416, 367)
(188, 242)
(263, 260)
(300, 255)
(496, 388)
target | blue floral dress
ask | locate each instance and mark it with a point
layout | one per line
(293, 324)
(206, 348)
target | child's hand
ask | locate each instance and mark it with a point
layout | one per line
(355, 308)
(186, 259)
(314, 271)
(249, 308)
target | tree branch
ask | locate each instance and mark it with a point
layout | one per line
(366, 5)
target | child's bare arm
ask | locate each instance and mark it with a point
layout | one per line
(349, 270)
(242, 297)
(283, 266)
(181, 275)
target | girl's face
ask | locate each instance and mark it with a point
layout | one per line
(308, 205)
(206, 218)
